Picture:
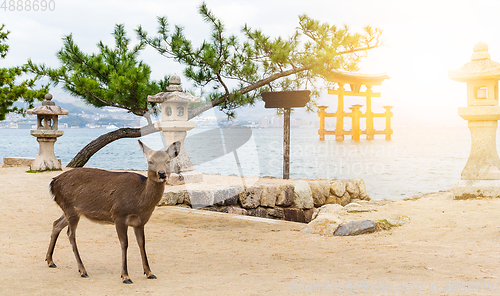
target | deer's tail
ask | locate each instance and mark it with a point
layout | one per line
(52, 195)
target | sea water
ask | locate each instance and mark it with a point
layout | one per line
(415, 161)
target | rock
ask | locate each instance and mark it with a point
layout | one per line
(285, 196)
(293, 214)
(356, 208)
(324, 224)
(302, 195)
(337, 188)
(209, 208)
(362, 188)
(386, 224)
(353, 189)
(382, 225)
(200, 198)
(368, 198)
(308, 215)
(276, 213)
(345, 199)
(320, 192)
(329, 209)
(398, 221)
(226, 196)
(234, 210)
(332, 199)
(250, 198)
(355, 228)
(172, 198)
(269, 195)
(258, 212)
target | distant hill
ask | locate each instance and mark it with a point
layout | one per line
(68, 106)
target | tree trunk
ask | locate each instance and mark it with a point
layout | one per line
(88, 151)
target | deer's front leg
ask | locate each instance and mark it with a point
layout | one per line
(121, 230)
(141, 241)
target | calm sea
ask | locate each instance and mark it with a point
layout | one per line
(416, 160)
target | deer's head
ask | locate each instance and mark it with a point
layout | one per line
(159, 161)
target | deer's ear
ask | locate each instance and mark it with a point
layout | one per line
(145, 149)
(174, 149)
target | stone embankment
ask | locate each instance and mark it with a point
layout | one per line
(295, 201)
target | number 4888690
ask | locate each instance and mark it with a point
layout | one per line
(28, 5)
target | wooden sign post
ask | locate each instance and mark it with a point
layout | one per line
(286, 100)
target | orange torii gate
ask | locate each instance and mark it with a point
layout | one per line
(355, 81)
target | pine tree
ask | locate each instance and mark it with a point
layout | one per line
(10, 91)
(233, 73)
(112, 77)
(261, 63)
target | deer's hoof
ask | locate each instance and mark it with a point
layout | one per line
(84, 275)
(152, 277)
(127, 281)
(52, 265)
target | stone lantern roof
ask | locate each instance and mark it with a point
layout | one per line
(48, 108)
(480, 66)
(174, 93)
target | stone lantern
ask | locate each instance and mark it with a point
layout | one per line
(46, 134)
(481, 175)
(174, 125)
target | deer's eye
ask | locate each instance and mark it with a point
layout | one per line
(150, 162)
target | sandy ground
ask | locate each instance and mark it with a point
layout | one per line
(448, 247)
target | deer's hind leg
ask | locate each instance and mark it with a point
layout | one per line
(58, 225)
(72, 224)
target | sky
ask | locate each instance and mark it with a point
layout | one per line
(422, 41)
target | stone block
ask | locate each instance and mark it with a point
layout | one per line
(185, 178)
(469, 189)
(234, 210)
(355, 228)
(320, 192)
(269, 195)
(302, 195)
(200, 198)
(332, 199)
(353, 189)
(172, 198)
(258, 212)
(18, 161)
(293, 214)
(285, 196)
(363, 194)
(226, 196)
(337, 187)
(250, 198)
(276, 213)
(308, 215)
(345, 199)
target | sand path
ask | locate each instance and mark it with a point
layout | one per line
(199, 253)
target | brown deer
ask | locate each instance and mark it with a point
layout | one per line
(121, 198)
